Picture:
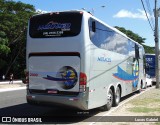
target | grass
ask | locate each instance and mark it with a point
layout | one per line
(147, 103)
(144, 101)
(143, 109)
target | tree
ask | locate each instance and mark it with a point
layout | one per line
(14, 17)
(4, 49)
(136, 38)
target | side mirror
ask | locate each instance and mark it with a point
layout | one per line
(93, 26)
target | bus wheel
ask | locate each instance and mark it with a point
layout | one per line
(109, 101)
(117, 97)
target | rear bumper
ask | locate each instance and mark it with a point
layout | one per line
(80, 101)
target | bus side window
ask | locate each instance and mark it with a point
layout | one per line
(137, 51)
(93, 26)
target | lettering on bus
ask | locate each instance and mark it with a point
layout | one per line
(104, 59)
(149, 59)
(53, 25)
(53, 33)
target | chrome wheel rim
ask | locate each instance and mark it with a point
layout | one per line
(110, 98)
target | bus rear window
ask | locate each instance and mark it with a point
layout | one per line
(60, 24)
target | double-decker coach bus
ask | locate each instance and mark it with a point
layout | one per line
(76, 60)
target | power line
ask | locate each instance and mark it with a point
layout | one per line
(150, 11)
(147, 15)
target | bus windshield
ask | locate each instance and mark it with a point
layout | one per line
(60, 24)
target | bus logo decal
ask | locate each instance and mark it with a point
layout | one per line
(54, 25)
(66, 77)
(124, 76)
(103, 59)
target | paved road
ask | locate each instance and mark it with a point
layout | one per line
(13, 103)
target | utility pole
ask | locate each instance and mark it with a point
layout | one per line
(156, 13)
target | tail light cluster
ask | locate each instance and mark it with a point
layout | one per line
(83, 82)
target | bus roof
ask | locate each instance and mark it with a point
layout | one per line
(150, 54)
(90, 15)
(116, 30)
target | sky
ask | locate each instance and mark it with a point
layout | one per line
(123, 13)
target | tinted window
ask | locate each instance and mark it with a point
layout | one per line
(106, 38)
(61, 24)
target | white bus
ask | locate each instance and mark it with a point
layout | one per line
(76, 60)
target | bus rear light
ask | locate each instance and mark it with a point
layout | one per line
(83, 82)
(83, 79)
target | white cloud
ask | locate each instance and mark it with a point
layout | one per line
(111, 43)
(41, 11)
(140, 14)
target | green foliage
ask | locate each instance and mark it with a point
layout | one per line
(2, 63)
(4, 49)
(14, 17)
(149, 49)
(136, 38)
(131, 35)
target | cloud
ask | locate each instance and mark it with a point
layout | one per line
(41, 11)
(140, 14)
(111, 44)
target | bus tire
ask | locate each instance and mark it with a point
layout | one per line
(109, 101)
(117, 97)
